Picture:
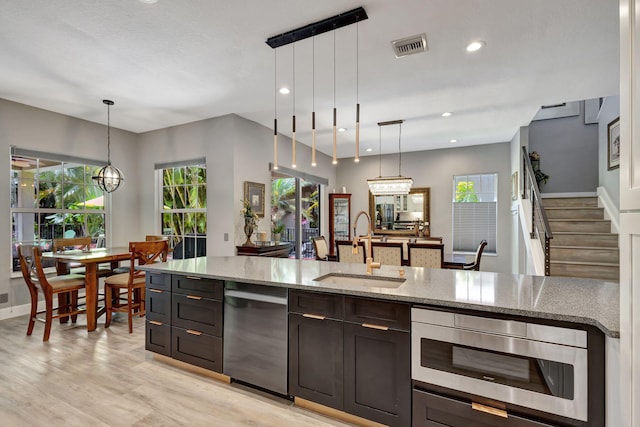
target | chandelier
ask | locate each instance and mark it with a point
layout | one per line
(384, 185)
(109, 177)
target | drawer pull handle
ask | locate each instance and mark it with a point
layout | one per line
(193, 277)
(192, 332)
(157, 291)
(378, 327)
(155, 322)
(313, 316)
(194, 297)
(489, 410)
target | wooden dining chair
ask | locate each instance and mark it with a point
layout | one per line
(387, 253)
(320, 247)
(133, 281)
(429, 255)
(475, 265)
(344, 251)
(64, 287)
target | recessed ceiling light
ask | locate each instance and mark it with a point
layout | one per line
(453, 140)
(475, 45)
(342, 129)
(149, 1)
(446, 114)
(368, 150)
(284, 90)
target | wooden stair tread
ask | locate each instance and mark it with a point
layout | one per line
(608, 248)
(578, 219)
(571, 208)
(590, 263)
(589, 233)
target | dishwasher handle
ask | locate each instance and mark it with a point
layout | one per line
(252, 296)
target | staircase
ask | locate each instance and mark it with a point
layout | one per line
(582, 244)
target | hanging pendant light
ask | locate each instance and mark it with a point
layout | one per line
(109, 177)
(357, 157)
(293, 118)
(313, 103)
(390, 184)
(335, 143)
(275, 109)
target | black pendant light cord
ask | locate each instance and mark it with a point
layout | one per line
(380, 150)
(108, 104)
(400, 151)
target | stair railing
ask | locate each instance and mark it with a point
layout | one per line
(540, 228)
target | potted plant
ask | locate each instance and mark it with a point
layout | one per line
(277, 231)
(541, 177)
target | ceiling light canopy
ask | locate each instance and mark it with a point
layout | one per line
(475, 45)
(390, 184)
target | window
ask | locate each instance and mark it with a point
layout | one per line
(53, 196)
(474, 212)
(184, 207)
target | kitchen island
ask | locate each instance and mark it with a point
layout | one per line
(342, 290)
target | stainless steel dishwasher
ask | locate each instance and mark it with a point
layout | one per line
(255, 335)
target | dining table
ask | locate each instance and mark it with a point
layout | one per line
(90, 260)
(454, 261)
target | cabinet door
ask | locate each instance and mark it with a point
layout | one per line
(197, 348)
(315, 360)
(158, 337)
(432, 410)
(339, 219)
(158, 305)
(194, 312)
(377, 366)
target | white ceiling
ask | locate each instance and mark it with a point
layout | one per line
(176, 61)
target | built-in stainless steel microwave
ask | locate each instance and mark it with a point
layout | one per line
(535, 366)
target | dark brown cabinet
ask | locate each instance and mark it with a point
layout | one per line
(361, 368)
(184, 319)
(339, 219)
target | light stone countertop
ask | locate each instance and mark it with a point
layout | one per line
(583, 301)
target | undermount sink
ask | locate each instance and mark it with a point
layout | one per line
(361, 280)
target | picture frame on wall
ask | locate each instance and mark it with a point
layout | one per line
(514, 186)
(613, 144)
(254, 193)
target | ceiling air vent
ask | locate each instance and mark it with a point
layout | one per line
(410, 45)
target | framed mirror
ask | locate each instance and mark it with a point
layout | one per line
(401, 214)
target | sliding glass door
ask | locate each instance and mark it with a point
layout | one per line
(295, 213)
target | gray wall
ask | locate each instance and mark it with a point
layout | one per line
(609, 179)
(435, 169)
(565, 142)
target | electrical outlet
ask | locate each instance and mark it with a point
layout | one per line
(226, 237)
(4, 298)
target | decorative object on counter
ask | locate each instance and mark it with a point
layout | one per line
(390, 184)
(613, 146)
(311, 30)
(277, 231)
(109, 177)
(541, 177)
(250, 220)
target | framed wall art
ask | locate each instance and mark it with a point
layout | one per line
(613, 144)
(254, 193)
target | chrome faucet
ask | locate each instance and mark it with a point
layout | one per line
(370, 264)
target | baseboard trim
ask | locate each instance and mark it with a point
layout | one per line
(18, 310)
(335, 413)
(192, 368)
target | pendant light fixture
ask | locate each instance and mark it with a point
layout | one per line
(357, 157)
(293, 118)
(390, 184)
(313, 102)
(275, 109)
(335, 143)
(109, 177)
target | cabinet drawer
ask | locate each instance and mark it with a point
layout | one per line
(158, 337)
(158, 280)
(316, 303)
(392, 315)
(195, 312)
(432, 410)
(158, 305)
(191, 285)
(197, 348)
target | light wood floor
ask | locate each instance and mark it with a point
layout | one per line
(107, 378)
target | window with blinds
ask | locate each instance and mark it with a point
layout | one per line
(475, 200)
